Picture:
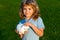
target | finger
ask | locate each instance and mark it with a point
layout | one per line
(16, 31)
(25, 24)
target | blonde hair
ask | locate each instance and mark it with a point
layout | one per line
(35, 15)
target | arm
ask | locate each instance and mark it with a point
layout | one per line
(39, 32)
(21, 35)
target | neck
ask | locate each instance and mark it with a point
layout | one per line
(27, 18)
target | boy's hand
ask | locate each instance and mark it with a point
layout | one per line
(16, 31)
(27, 24)
(21, 35)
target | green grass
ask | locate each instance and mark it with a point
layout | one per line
(50, 12)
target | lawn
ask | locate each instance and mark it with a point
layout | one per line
(9, 17)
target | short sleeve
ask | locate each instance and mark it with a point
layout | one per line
(40, 23)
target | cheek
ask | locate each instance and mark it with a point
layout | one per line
(31, 12)
(24, 11)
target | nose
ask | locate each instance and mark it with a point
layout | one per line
(27, 11)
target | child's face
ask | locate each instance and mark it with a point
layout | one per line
(28, 11)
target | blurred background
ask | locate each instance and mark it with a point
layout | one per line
(9, 18)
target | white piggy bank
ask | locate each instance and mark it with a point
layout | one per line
(21, 28)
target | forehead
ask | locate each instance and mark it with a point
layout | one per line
(27, 6)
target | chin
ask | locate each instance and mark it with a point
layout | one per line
(27, 16)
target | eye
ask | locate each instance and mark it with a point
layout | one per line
(24, 9)
(29, 8)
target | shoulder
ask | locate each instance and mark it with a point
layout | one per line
(40, 22)
(39, 19)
